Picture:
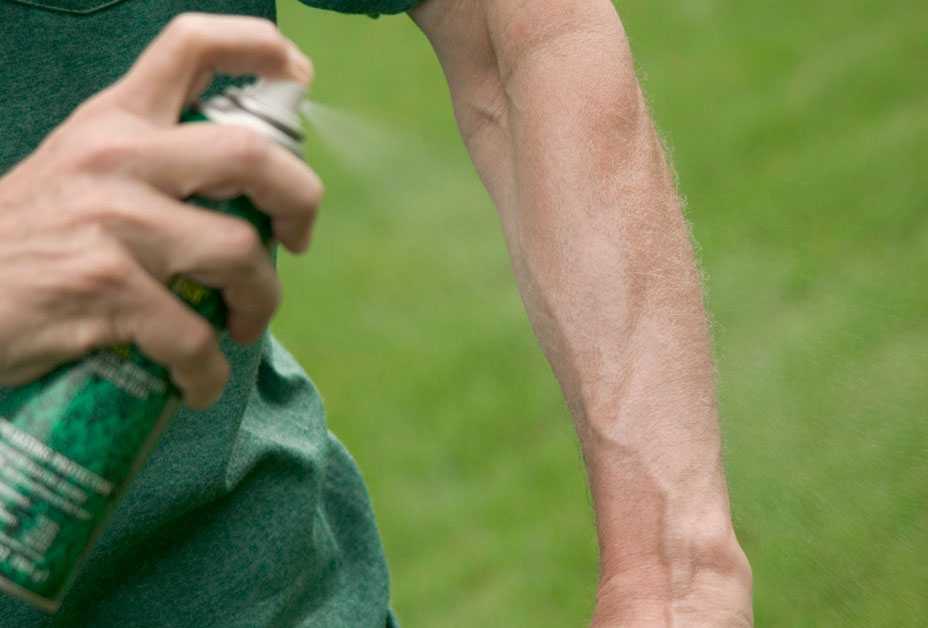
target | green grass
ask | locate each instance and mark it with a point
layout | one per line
(800, 134)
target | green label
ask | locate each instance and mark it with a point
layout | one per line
(68, 443)
(71, 441)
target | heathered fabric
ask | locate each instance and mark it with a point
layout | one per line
(251, 514)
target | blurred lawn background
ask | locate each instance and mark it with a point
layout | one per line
(800, 133)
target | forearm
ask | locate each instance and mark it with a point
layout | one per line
(606, 268)
(608, 275)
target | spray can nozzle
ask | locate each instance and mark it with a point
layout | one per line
(274, 103)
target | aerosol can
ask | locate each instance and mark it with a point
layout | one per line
(72, 441)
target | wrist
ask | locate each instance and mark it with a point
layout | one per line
(702, 578)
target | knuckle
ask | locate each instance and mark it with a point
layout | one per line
(104, 154)
(100, 218)
(248, 148)
(267, 32)
(243, 243)
(107, 269)
(185, 29)
(198, 342)
(267, 39)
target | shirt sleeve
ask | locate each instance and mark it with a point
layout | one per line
(369, 7)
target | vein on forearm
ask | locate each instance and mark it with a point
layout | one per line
(548, 101)
(607, 270)
(599, 239)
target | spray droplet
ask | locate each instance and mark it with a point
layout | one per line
(364, 146)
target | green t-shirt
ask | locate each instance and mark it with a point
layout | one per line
(251, 514)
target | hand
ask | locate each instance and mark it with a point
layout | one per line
(92, 225)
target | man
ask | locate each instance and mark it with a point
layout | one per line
(250, 514)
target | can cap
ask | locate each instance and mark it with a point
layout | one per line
(271, 107)
(279, 99)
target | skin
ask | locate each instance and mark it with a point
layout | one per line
(548, 104)
(547, 101)
(93, 225)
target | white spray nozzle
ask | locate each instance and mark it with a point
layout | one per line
(279, 94)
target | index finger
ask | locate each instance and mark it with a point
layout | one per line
(193, 47)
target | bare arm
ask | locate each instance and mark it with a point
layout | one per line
(548, 103)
